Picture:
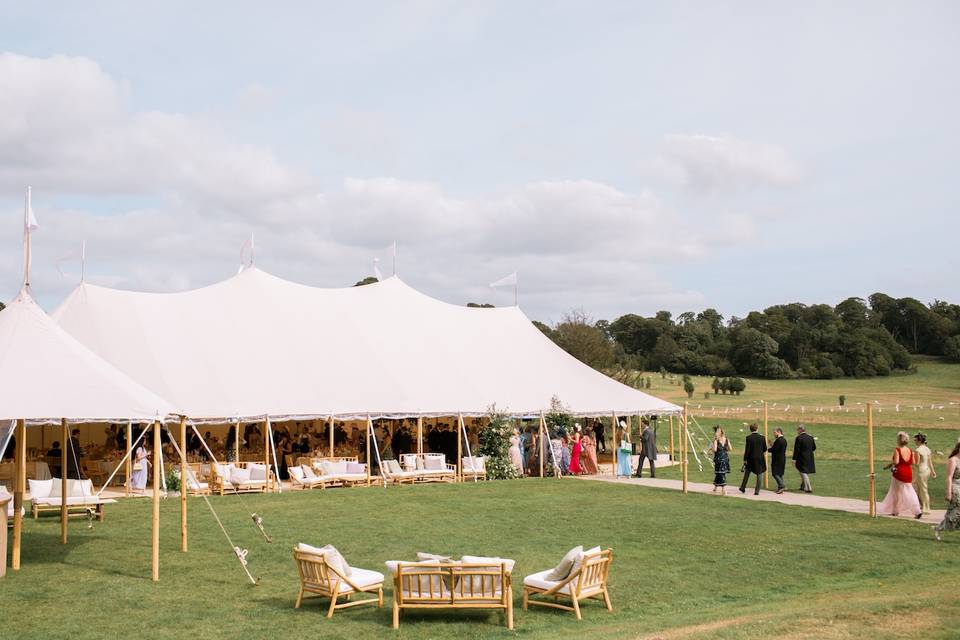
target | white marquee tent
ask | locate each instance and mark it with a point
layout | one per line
(256, 345)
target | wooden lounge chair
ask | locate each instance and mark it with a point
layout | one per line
(474, 468)
(472, 583)
(304, 477)
(81, 498)
(429, 467)
(321, 578)
(587, 579)
(394, 473)
(251, 477)
(195, 485)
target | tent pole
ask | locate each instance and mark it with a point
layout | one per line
(129, 443)
(672, 456)
(63, 485)
(616, 444)
(420, 435)
(766, 437)
(369, 436)
(155, 575)
(184, 483)
(873, 477)
(460, 434)
(266, 453)
(686, 448)
(330, 433)
(20, 453)
(540, 435)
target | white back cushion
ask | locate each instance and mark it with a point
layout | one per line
(435, 464)
(257, 472)
(238, 475)
(42, 488)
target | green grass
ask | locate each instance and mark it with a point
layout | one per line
(841, 456)
(684, 566)
(935, 382)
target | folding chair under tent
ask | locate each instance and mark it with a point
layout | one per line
(48, 377)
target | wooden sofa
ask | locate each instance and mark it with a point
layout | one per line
(429, 467)
(587, 579)
(336, 471)
(472, 583)
(254, 478)
(81, 498)
(473, 468)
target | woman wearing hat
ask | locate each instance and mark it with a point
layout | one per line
(925, 471)
(951, 520)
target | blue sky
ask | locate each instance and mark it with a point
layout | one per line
(623, 157)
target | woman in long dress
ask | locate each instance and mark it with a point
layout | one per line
(516, 458)
(138, 477)
(951, 519)
(901, 497)
(577, 450)
(925, 471)
(624, 451)
(721, 460)
(588, 458)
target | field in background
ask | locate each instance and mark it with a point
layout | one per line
(691, 566)
(930, 398)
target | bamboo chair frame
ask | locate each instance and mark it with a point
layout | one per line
(452, 586)
(588, 582)
(217, 482)
(423, 476)
(323, 581)
(470, 474)
(194, 471)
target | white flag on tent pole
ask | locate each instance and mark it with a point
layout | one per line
(247, 246)
(29, 226)
(376, 269)
(508, 281)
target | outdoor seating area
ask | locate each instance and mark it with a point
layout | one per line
(45, 495)
(439, 582)
(240, 477)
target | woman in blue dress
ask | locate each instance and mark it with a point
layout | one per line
(721, 460)
(624, 451)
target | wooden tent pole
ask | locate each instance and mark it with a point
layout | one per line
(129, 470)
(419, 435)
(686, 446)
(63, 484)
(330, 433)
(873, 477)
(266, 453)
(540, 436)
(20, 453)
(460, 434)
(766, 438)
(236, 442)
(184, 483)
(616, 444)
(672, 457)
(155, 574)
(369, 437)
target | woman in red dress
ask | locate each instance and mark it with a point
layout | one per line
(902, 497)
(577, 449)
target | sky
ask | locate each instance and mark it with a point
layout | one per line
(621, 157)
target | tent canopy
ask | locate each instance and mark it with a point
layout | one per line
(47, 375)
(257, 345)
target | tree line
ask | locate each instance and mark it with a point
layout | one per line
(856, 338)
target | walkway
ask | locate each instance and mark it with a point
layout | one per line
(790, 497)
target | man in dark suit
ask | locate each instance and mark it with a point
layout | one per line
(73, 454)
(803, 459)
(778, 458)
(754, 459)
(648, 450)
(599, 436)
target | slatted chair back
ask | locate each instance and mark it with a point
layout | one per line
(315, 574)
(594, 571)
(451, 583)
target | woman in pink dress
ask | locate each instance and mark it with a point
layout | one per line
(588, 459)
(577, 449)
(902, 497)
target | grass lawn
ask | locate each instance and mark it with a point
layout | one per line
(692, 567)
(842, 468)
(936, 383)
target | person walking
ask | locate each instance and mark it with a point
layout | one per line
(516, 458)
(648, 450)
(803, 458)
(951, 519)
(778, 458)
(754, 459)
(598, 430)
(575, 468)
(925, 471)
(901, 497)
(138, 476)
(73, 454)
(624, 451)
(721, 460)
(588, 460)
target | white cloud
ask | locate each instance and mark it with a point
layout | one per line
(723, 163)
(65, 128)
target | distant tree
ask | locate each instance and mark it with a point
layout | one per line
(725, 385)
(951, 348)
(737, 385)
(715, 385)
(2, 306)
(649, 382)
(545, 329)
(579, 337)
(842, 400)
(688, 387)
(365, 281)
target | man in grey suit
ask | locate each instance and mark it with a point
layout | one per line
(648, 451)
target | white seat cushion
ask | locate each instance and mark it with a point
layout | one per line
(351, 477)
(361, 578)
(539, 580)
